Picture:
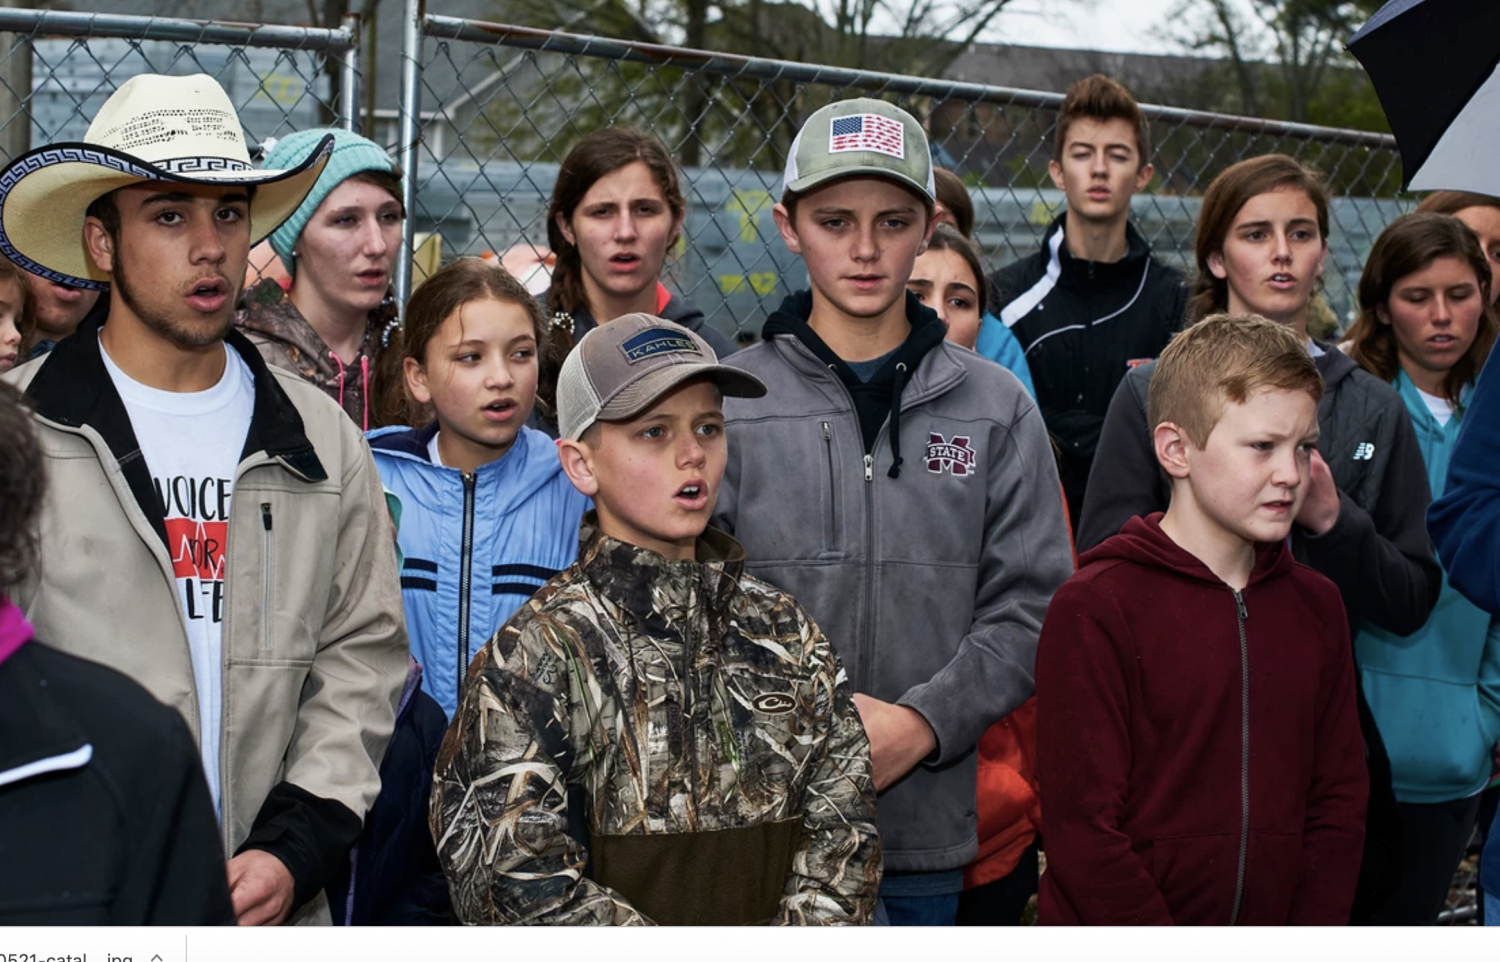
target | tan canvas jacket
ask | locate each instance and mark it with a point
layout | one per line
(657, 741)
(314, 641)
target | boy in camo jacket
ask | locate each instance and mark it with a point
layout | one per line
(656, 737)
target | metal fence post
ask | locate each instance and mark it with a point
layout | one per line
(411, 104)
(349, 82)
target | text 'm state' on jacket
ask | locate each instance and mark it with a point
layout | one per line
(638, 713)
(1200, 754)
(931, 585)
(482, 543)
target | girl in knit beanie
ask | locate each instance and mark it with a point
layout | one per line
(339, 249)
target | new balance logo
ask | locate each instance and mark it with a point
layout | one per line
(1365, 452)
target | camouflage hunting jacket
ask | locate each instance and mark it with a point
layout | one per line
(650, 740)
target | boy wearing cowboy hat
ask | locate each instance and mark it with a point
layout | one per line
(214, 528)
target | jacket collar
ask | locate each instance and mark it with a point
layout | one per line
(73, 388)
(658, 591)
(1075, 272)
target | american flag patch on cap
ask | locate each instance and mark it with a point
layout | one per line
(867, 132)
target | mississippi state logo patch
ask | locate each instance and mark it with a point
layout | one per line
(955, 457)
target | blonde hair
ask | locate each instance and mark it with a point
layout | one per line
(1221, 360)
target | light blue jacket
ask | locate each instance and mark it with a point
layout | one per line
(479, 543)
(1435, 694)
(997, 343)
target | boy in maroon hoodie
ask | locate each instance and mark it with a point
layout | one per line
(1198, 747)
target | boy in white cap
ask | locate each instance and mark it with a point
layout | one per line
(655, 736)
(900, 487)
(214, 529)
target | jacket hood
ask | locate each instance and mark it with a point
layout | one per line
(1142, 541)
(1334, 365)
(927, 332)
(270, 314)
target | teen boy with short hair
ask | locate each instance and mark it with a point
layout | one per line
(902, 488)
(656, 736)
(1197, 738)
(1092, 301)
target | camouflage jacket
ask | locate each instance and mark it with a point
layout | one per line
(640, 698)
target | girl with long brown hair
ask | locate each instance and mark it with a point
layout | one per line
(487, 514)
(1426, 326)
(617, 212)
(1262, 239)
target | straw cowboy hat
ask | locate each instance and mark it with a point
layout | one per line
(154, 128)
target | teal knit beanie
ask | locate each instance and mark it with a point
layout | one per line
(352, 154)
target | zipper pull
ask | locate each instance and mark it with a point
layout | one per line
(265, 516)
(869, 467)
(827, 432)
(1239, 601)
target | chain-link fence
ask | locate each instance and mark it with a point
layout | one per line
(489, 111)
(58, 68)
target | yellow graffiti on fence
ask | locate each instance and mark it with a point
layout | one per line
(280, 88)
(763, 283)
(749, 204)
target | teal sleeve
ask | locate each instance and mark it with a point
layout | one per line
(997, 343)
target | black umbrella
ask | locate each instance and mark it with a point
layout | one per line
(1433, 63)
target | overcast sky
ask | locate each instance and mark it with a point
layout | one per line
(1129, 25)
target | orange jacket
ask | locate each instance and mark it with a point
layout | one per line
(1010, 809)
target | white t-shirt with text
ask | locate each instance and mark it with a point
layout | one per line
(192, 444)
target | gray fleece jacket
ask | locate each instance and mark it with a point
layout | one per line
(931, 585)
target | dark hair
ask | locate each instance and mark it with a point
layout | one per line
(598, 154)
(954, 197)
(465, 280)
(1100, 98)
(387, 180)
(23, 481)
(26, 314)
(1230, 191)
(1409, 245)
(1453, 201)
(946, 238)
(106, 210)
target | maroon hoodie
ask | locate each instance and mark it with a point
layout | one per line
(1198, 749)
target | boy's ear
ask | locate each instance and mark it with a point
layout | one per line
(416, 380)
(1056, 170)
(932, 223)
(1171, 449)
(788, 231)
(578, 464)
(99, 244)
(1143, 177)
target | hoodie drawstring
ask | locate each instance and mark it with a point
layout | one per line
(364, 388)
(898, 385)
